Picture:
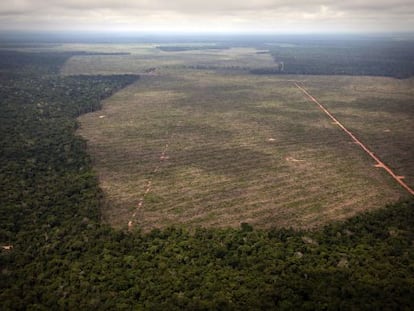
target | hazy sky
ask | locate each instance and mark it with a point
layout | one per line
(278, 16)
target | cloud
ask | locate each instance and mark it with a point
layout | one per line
(260, 15)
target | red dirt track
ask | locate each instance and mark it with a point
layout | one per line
(379, 163)
(148, 187)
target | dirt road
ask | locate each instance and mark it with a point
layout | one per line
(378, 162)
(148, 187)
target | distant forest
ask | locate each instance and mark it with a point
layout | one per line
(371, 58)
(56, 254)
(326, 57)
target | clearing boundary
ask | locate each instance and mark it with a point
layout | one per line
(379, 163)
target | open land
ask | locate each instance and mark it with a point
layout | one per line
(220, 147)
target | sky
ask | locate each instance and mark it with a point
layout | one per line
(267, 16)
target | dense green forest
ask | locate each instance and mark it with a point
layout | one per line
(371, 58)
(63, 257)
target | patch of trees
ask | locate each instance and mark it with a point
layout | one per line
(393, 59)
(64, 257)
(13, 62)
(41, 157)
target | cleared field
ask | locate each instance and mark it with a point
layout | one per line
(237, 148)
(146, 56)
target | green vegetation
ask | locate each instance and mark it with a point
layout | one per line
(63, 257)
(363, 264)
(370, 58)
(40, 154)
